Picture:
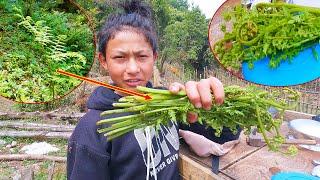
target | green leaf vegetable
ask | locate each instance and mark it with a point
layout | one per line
(275, 30)
(243, 107)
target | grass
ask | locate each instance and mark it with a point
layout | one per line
(59, 171)
(8, 169)
(40, 169)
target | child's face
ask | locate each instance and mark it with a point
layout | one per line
(129, 59)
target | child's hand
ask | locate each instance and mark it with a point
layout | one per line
(204, 147)
(199, 93)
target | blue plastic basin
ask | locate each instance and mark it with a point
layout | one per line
(303, 68)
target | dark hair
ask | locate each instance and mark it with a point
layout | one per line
(137, 16)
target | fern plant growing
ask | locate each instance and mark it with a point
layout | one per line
(36, 45)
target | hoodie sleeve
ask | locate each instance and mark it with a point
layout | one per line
(88, 156)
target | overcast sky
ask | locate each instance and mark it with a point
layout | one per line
(208, 7)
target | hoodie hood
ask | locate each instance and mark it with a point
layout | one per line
(102, 98)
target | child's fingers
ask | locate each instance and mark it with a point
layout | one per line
(217, 89)
(205, 93)
(193, 93)
(192, 117)
(176, 87)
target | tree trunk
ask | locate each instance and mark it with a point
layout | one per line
(42, 115)
(163, 59)
(35, 134)
(21, 157)
(34, 126)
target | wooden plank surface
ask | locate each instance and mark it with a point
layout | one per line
(223, 176)
(192, 170)
(247, 162)
(290, 115)
(240, 151)
(257, 165)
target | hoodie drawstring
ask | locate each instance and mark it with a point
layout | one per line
(150, 154)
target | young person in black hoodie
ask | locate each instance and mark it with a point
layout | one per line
(128, 50)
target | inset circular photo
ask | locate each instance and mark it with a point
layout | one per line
(268, 43)
(37, 38)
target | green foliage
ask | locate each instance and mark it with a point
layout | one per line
(182, 34)
(99, 9)
(36, 46)
(181, 5)
(276, 30)
(243, 107)
(162, 16)
(185, 39)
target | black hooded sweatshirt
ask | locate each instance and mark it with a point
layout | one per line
(91, 156)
